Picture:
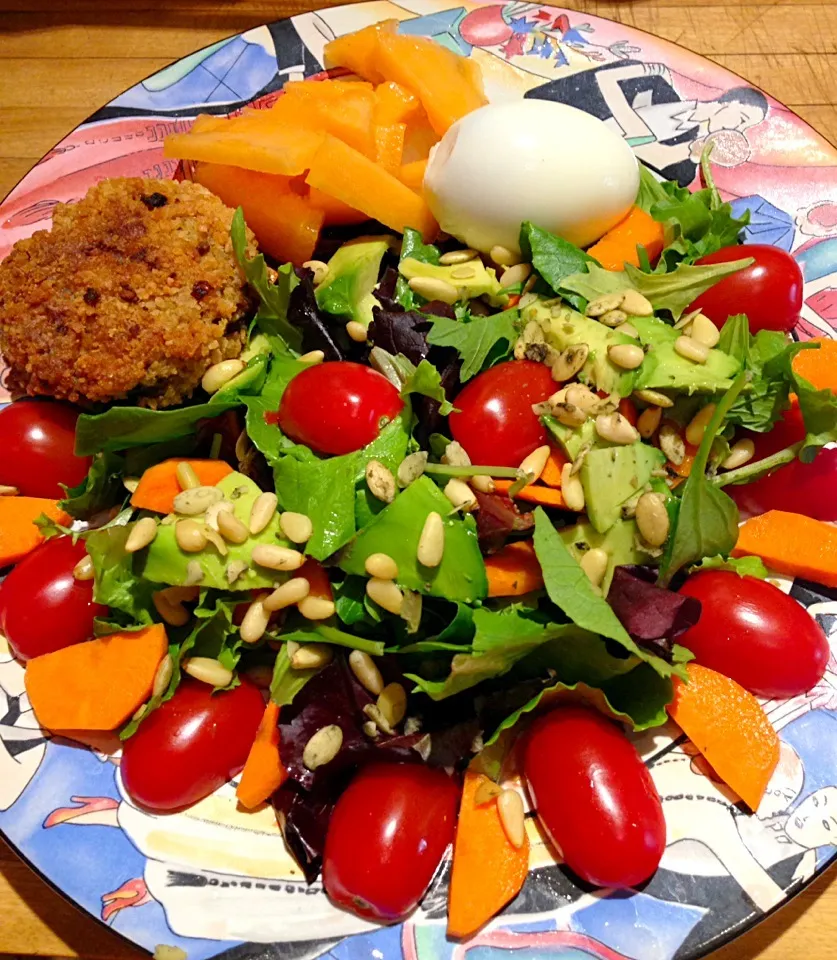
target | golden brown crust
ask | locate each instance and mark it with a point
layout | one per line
(133, 294)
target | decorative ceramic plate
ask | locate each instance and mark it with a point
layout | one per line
(212, 879)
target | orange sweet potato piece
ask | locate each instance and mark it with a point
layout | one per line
(158, 486)
(730, 728)
(551, 475)
(819, 367)
(488, 871)
(618, 246)
(358, 51)
(263, 772)
(793, 544)
(354, 179)
(514, 570)
(18, 533)
(95, 685)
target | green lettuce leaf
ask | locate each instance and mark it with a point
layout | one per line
(116, 585)
(413, 246)
(287, 682)
(425, 381)
(553, 258)
(101, 489)
(743, 566)
(481, 342)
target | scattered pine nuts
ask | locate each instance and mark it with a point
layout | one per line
(628, 356)
(386, 594)
(648, 422)
(652, 519)
(634, 303)
(487, 792)
(313, 356)
(366, 671)
(503, 257)
(162, 678)
(380, 481)
(84, 569)
(741, 453)
(234, 570)
(464, 272)
(172, 613)
(698, 424)
(411, 610)
(455, 455)
(194, 573)
(535, 462)
(370, 728)
(190, 536)
(411, 467)
(482, 483)
(704, 331)
(461, 495)
(457, 256)
(311, 656)
(216, 540)
(571, 489)
(382, 566)
(6, 490)
(594, 564)
(291, 592)
(613, 318)
(356, 331)
(392, 702)
(519, 273)
(569, 362)
(569, 414)
(432, 288)
(599, 306)
(231, 528)
(297, 527)
(254, 624)
(691, 349)
(319, 268)
(510, 808)
(628, 330)
(316, 608)
(261, 513)
(275, 557)
(143, 532)
(372, 710)
(208, 670)
(654, 397)
(220, 374)
(431, 545)
(196, 500)
(186, 476)
(323, 747)
(211, 517)
(672, 444)
(615, 428)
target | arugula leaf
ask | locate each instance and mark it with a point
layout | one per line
(707, 519)
(308, 632)
(481, 341)
(413, 246)
(272, 316)
(553, 257)
(264, 434)
(819, 413)
(743, 566)
(101, 488)
(116, 585)
(426, 381)
(735, 338)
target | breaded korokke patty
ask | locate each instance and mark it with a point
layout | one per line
(133, 294)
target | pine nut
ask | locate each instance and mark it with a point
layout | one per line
(741, 453)
(174, 614)
(312, 357)
(6, 490)
(411, 467)
(186, 476)
(356, 331)
(366, 671)
(392, 703)
(323, 747)
(84, 569)
(569, 414)
(207, 670)
(374, 713)
(704, 331)
(211, 516)
(628, 329)
(486, 792)
(291, 592)
(277, 558)
(634, 303)
(654, 397)
(432, 288)
(613, 318)
(140, 712)
(216, 540)
(231, 528)
(510, 808)
(254, 624)
(234, 570)
(614, 428)
(194, 573)
(370, 728)
(503, 257)
(569, 362)
(648, 422)
(455, 455)
(386, 594)
(261, 513)
(578, 463)
(599, 306)
(318, 268)
(316, 608)
(527, 299)
(431, 545)
(380, 481)
(461, 495)
(626, 355)
(463, 273)
(698, 424)
(190, 536)
(594, 564)
(142, 533)
(534, 464)
(457, 256)
(162, 678)
(382, 566)
(220, 374)
(311, 656)
(196, 500)
(297, 527)
(411, 610)
(691, 349)
(672, 444)
(519, 273)
(571, 489)
(483, 484)
(652, 519)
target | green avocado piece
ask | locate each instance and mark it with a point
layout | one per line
(483, 281)
(621, 543)
(165, 562)
(572, 439)
(346, 290)
(664, 368)
(251, 378)
(612, 475)
(566, 327)
(396, 530)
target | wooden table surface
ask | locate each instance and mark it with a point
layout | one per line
(61, 59)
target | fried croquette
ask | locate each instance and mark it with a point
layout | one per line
(131, 295)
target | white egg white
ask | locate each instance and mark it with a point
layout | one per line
(537, 160)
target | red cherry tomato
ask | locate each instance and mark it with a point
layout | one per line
(594, 797)
(386, 837)
(43, 607)
(191, 745)
(495, 423)
(37, 438)
(755, 634)
(337, 407)
(769, 291)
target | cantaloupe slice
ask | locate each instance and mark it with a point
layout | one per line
(358, 51)
(412, 174)
(389, 145)
(340, 108)
(336, 213)
(254, 145)
(394, 103)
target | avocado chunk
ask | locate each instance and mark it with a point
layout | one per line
(483, 281)
(621, 543)
(612, 475)
(565, 327)
(664, 368)
(165, 562)
(572, 439)
(251, 378)
(346, 290)
(396, 531)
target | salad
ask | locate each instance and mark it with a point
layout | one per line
(405, 522)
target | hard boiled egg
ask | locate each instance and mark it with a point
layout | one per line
(536, 160)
